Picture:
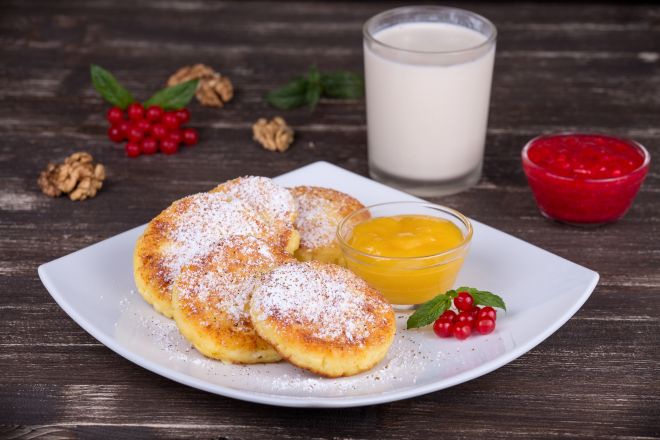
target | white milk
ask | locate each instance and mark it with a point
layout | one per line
(427, 112)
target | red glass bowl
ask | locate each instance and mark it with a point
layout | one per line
(584, 200)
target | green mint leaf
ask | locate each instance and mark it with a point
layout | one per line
(310, 88)
(291, 95)
(342, 85)
(314, 75)
(313, 92)
(483, 298)
(109, 88)
(429, 311)
(174, 97)
(313, 95)
(488, 299)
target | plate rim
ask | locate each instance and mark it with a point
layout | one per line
(315, 402)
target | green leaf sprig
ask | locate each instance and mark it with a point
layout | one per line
(175, 97)
(431, 310)
(109, 88)
(170, 98)
(308, 89)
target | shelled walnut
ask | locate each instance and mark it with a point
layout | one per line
(213, 90)
(273, 135)
(78, 176)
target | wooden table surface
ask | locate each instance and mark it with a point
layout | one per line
(559, 67)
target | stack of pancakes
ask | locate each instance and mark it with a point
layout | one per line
(223, 265)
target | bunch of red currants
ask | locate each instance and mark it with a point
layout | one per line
(469, 318)
(151, 130)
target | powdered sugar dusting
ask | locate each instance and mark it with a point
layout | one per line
(415, 358)
(264, 195)
(327, 299)
(315, 223)
(223, 280)
(201, 221)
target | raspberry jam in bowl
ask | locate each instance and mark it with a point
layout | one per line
(584, 178)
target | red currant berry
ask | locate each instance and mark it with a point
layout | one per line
(183, 115)
(462, 331)
(149, 146)
(132, 149)
(176, 136)
(143, 125)
(190, 136)
(155, 113)
(448, 315)
(487, 312)
(114, 115)
(443, 328)
(465, 317)
(170, 121)
(135, 111)
(485, 326)
(168, 146)
(115, 134)
(475, 313)
(135, 134)
(159, 131)
(464, 301)
(124, 126)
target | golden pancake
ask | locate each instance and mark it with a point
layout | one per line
(189, 228)
(323, 318)
(269, 199)
(319, 212)
(210, 299)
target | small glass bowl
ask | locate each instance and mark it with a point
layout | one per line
(581, 201)
(406, 281)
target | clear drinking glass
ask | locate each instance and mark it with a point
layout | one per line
(428, 73)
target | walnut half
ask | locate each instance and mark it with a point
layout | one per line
(78, 176)
(273, 135)
(213, 90)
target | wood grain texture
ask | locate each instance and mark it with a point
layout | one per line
(559, 67)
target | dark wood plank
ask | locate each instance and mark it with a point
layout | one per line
(559, 67)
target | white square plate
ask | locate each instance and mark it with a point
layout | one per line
(542, 291)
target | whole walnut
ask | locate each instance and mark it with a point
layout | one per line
(213, 89)
(273, 135)
(78, 176)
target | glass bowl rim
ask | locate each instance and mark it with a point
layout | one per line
(367, 35)
(467, 238)
(645, 153)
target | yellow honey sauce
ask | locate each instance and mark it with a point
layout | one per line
(408, 258)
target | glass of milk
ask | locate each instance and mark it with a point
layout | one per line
(428, 73)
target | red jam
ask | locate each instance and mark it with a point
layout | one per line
(584, 178)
